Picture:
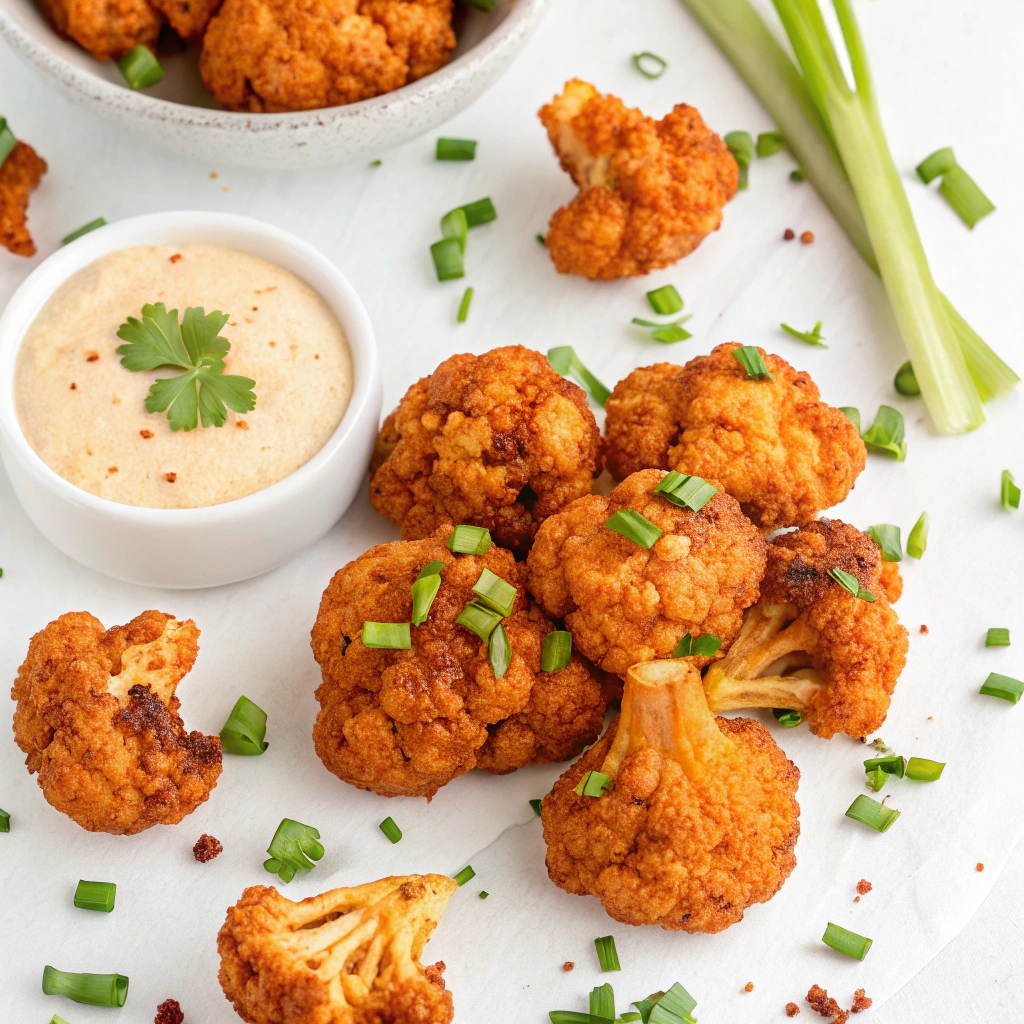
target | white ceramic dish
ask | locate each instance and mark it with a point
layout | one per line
(200, 547)
(180, 114)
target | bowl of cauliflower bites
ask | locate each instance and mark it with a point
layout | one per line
(272, 83)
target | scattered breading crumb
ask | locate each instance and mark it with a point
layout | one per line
(979, 866)
(74, 386)
(856, 899)
(213, 174)
(749, 987)
(789, 234)
(177, 256)
(146, 434)
(807, 237)
(861, 1002)
(864, 887)
(568, 965)
(169, 1012)
(91, 357)
(170, 477)
(930, 718)
(792, 1009)
(111, 469)
(822, 1003)
(923, 629)
(206, 848)
(241, 425)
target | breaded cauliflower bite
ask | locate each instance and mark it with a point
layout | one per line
(809, 644)
(406, 722)
(625, 603)
(20, 173)
(107, 29)
(279, 55)
(98, 718)
(498, 440)
(700, 820)
(348, 956)
(780, 451)
(650, 191)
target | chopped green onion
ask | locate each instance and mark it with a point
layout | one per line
(245, 729)
(556, 650)
(961, 191)
(629, 1015)
(640, 322)
(750, 359)
(423, 593)
(891, 764)
(1009, 492)
(811, 337)
(575, 1017)
(797, 175)
(479, 619)
(94, 989)
(1002, 686)
(83, 230)
(877, 778)
(431, 569)
(790, 719)
(665, 300)
(703, 647)
(920, 769)
(650, 65)
(140, 67)
(391, 636)
(454, 225)
(917, 542)
(769, 143)
(95, 896)
(483, 894)
(456, 149)
(535, 804)
(467, 298)
(57, 1020)
(741, 145)
(880, 745)
(5, 821)
(447, 257)
(633, 526)
(294, 848)
(7, 141)
(564, 360)
(887, 537)
(494, 592)
(940, 162)
(469, 540)
(672, 1007)
(607, 954)
(592, 784)
(852, 414)
(885, 435)
(669, 334)
(850, 582)
(464, 875)
(602, 1002)
(905, 381)
(375, 163)
(499, 652)
(390, 829)
(480, 212)
(692, 492)
(483, 5)
(997, 636)
(844, 941)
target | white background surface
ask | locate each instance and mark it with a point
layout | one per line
(946, 75)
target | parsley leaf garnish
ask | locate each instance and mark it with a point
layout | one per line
(204, 391)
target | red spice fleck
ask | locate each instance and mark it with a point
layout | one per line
(864, 887)
(317, 356)
(272, 344)
(206, 848)
(856, 899)
(749, 987)
(923, 629)
(568, 966)
(170, 477)
(147, 434)
(111, 469)
(241, 425)
(792, 1009)
(74, 386)
(177, 256)
(822, 1003)
(255, 309)
(930, 718)
(169, 1012)
(91, 357)
(861, 1002)
(979, 866)
(807, 237)
(789, 234)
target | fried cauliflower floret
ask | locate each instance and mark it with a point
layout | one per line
(498, 440)
(98, 718)
(625, 603)
(780, 451)
(699, 822)
(649, 190)
(108, 29)
(406, 722)
(20, 173)
(811, 646)
(279, 55)
(348, 956)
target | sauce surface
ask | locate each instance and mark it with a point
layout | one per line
(84, 415)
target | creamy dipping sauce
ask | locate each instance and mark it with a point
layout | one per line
(84, 414)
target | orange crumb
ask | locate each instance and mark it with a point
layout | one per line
(272, 344)
(74, 386)
(789, 234)
(807, 237)
(822, 1003)
(177, 256)
(864, 887)
(255, 309)
(856, 899)
(146, 434)
(923, 629)
(979, 866)
(111, 469)
(749, 987)
(170, 477)
(213, 174)
(226, 189)
(317, 356)
(91, 357)
(568, 965)
(792, 1009)
(241, 425)
(861, 1002)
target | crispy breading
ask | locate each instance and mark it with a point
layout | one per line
(624, 603)
(775, 446)
(188, 18)
(348, 956)
(809, 644)
(98, 718)
(650, 191)
(498, 440)
(20, 173)
(406, 722)
(279, 55)
(699, 823)
(108, 29)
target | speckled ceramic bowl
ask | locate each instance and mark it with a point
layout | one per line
(180, 114)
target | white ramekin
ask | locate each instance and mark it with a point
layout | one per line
(198, 547)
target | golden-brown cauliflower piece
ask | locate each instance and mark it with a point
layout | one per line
(278, 55)
(625, 603)
(20, 173)
(98, 718)
(699, 822)
(649, 190)
(811, 646)
(108, 29)
(406, 722)
(780, 451)
(348, 956)
(498, 440)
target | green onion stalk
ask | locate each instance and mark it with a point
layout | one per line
(835, 133)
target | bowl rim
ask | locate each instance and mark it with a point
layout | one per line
(522, 16)
(153, 229)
